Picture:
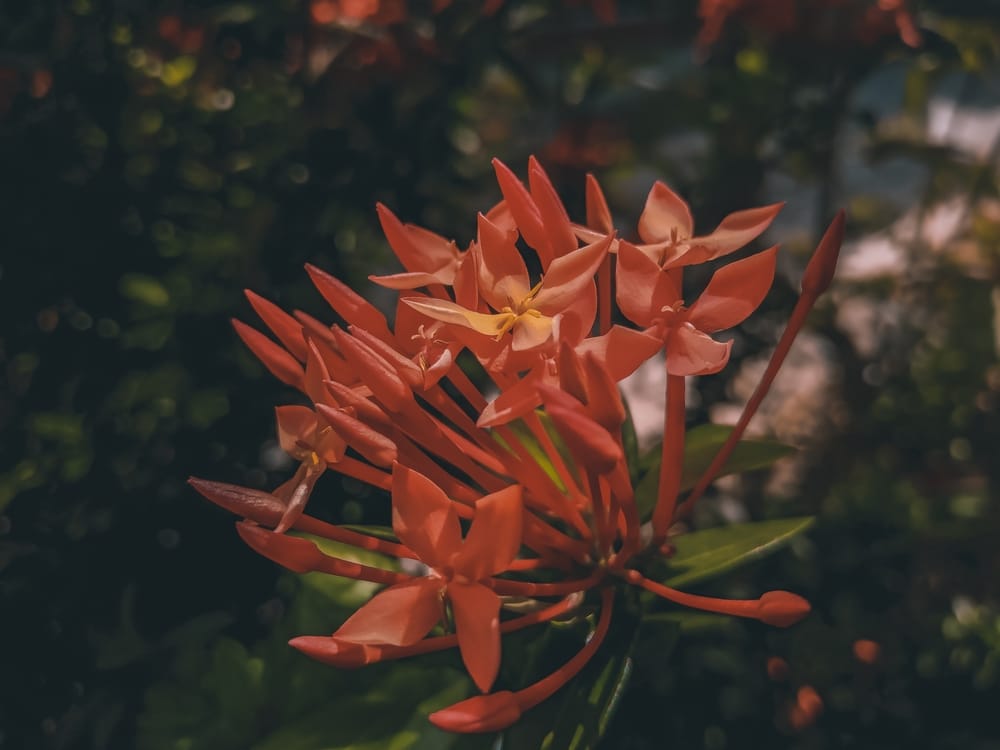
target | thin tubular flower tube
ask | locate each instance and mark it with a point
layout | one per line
(815, 280)
(488, 713)
(489, 410)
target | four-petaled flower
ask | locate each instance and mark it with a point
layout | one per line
(425, 520)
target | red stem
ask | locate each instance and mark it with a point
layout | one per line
(795, 323)
(672, 459)
(544, 688)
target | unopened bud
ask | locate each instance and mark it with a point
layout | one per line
(335, 652)
(370, 443)
(257, 505)
(781, 608)
(819, 271)
(297, 554)
(867, 652)
(481, 713)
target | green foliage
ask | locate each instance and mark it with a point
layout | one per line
(222, 695)
(702, 555)
(701, 445)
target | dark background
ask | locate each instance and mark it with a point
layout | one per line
(158, 157)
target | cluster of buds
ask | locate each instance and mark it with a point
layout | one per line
(527, 496)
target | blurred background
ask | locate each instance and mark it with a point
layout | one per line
(159, 157)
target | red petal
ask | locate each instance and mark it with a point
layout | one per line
(501, 216)
(454, 314)
(598, 213)
(477, 623)
(691, 352)
(494, 537)
(321, 336)
(735, 231)
(531, 332)
(299, 494)
(316, 374)
(412, 280)
(390, 389)
(296, 429)
(734, 292)
(279, 363)
(398, 616)
(349, 305)
(571, 376)
(514, 402)
(503, 277)
(284, 326)
(297, 554)
(592, 445)
(569, 276)
(418, 249)
(621, 350)
(665, 215)
(604, 401)
(366, 410)
(404, 367)
(423, 517)
(576, 320)
(522, 207)
(641, 287)
(553, 212)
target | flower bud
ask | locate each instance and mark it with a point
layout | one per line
(781, 608)
(481, 713)
(819, 271)
(257, 505)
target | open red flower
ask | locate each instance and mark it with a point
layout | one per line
(425, 520)
(527, 312)
(649, 297)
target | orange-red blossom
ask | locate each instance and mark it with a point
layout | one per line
(538, 479)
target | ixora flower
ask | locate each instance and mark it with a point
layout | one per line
(524, 509)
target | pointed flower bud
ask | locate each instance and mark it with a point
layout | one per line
(782, 609)
(481, 713)
(819, 271)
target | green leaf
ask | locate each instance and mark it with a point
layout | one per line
(346, 591)
(591, 699)
(381, 532)
(701, 445)
(388, 717)
(690, 621)
(519, 430)
(706, 554)
(578, 715)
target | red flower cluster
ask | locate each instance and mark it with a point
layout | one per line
(527, 496)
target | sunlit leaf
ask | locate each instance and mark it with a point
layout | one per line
(701, 445)
(534, 448)
(706, 554)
